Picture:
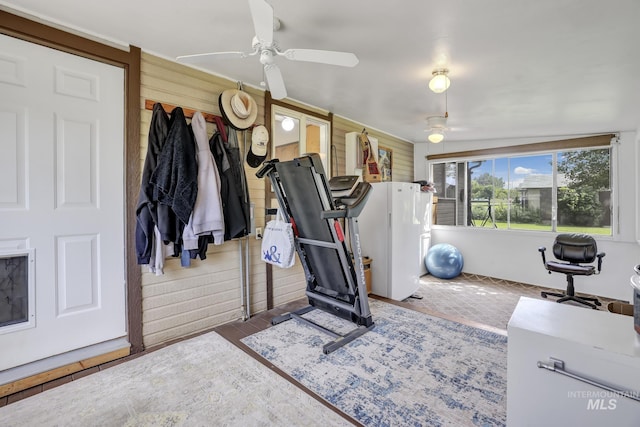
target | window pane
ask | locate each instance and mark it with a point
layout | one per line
(461, 189)
(502, 198)
(532, 179)
(481, 197)
(451, 179)
(444, 178)
(286, 137)
(584, 191)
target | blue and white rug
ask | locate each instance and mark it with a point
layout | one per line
(411, 369)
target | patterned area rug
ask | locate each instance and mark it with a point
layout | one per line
(411, 369)
(204, 381)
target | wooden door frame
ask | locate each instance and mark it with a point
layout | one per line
(268, 103)
(38, 33)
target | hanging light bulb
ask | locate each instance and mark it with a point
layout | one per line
(288, 124)
(436, 136)
(439, 82)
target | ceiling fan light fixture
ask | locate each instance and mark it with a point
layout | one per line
(437, 126)
(440, 81)
(436, 136)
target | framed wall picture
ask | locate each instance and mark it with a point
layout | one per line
(385, 162)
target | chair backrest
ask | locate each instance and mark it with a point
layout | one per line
(575, 248)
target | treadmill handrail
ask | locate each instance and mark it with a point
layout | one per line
(266, 168)
(336, 213)
(357, 200)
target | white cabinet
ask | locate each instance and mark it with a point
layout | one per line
(596, 344)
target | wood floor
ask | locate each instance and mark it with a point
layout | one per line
(459, 301)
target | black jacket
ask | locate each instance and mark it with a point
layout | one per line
(233, 201)
(175, 179)
(147, 209)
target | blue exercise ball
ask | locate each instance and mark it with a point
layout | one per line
(444, 261)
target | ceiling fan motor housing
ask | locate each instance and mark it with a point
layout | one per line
(266, 57)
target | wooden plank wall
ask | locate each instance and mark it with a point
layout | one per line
(185, 301)
(402, 150)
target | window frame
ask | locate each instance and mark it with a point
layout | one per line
(550, 147)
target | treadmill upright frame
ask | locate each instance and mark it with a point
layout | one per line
(335, 278)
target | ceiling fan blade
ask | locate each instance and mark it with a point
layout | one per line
(344, 59)
(206, 57)
(262, 14)
(275, 82)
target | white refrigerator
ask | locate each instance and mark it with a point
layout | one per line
(394, 231)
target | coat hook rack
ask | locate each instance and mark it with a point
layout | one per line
(188, 112)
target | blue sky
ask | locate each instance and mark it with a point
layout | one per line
(515, 168)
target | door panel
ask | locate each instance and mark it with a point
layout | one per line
(62, 150)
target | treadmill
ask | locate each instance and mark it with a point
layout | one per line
(335, 277)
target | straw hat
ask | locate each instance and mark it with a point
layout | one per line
(238, 108)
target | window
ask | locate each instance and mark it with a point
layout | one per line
(565, 190)
(295, 133)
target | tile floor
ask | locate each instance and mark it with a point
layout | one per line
(478, 299)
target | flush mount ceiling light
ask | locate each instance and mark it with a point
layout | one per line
(440, 81)
(437, 126)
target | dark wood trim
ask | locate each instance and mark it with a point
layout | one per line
(267, 194)
(235, 332)
(563, 144)
(334, 171)
(35, 32)
(132, 183)
(44, 35)
(270, 101)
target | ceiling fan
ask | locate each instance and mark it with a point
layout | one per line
(264, 45)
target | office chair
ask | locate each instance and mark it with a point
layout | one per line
(575, 250)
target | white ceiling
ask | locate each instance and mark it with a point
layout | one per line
(518, 68)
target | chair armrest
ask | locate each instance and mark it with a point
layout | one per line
(542, 250)
(600, 256)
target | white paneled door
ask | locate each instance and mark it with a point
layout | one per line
(61, 202)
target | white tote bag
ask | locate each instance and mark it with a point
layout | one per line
(278, 247)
